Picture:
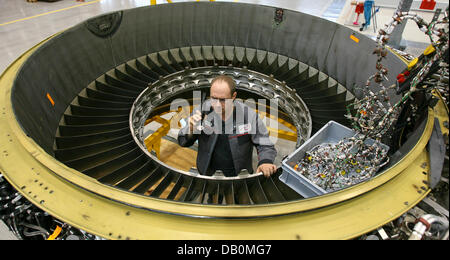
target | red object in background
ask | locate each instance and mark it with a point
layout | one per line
(428, 4)
(359, 8)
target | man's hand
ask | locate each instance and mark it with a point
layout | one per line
(194, 119)
(267, 169)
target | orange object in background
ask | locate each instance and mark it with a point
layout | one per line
(50, 99)
(354, 38)
(428, 4)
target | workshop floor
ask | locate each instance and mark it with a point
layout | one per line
(24, 24)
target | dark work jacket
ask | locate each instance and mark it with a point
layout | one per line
(249, 131)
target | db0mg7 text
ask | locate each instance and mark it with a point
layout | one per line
(246, 249)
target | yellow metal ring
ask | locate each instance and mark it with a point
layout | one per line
(99, 209)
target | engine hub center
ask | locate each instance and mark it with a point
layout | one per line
(249, 83)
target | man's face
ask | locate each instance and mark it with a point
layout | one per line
(221, 98)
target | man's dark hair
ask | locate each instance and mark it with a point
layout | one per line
(227, 79)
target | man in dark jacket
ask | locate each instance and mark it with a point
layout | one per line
(226, 132)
